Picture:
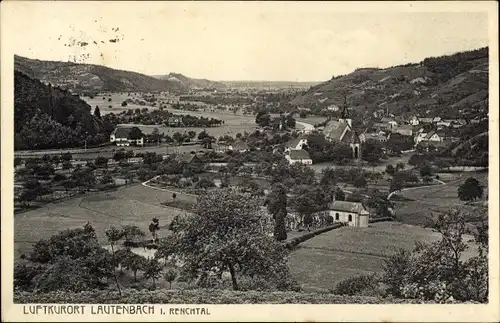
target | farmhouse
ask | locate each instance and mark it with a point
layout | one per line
(120, 136)
(299, 157)
(240, 146)
(174, 122)
(296, 144)
(379, 136)
(414, 121)
(405, 130)
(353, 213)
(425, 120)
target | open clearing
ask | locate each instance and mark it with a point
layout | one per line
(323, 261)
(135, 205)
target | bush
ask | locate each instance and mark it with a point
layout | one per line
(356, 285)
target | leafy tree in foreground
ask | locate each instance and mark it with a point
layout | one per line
(152, 269)
(276, 205)
(339, 194)
(226, 233)
(437, 271)
(114, 235)
(154, 226)
(170, 276)
(470, 190)
(132, 232)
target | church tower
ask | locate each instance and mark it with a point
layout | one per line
(344, 118)
(355, 144)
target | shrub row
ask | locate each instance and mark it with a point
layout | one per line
(197, 296)
(295, 241)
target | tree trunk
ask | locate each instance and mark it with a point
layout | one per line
(170, 285)
(154, 283)
(135, 275)
(233, 275)
(114, 271)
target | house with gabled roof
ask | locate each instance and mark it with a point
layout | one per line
(240, 146)
(299, 157)
(352, 213)
(296, 144)
(120, 136)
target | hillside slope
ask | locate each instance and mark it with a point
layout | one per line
(50, 117)
(445, 86)
(191, 82)
(92, 77)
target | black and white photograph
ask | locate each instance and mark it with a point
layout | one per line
(195, 154)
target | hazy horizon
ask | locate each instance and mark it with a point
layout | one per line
(246, 42)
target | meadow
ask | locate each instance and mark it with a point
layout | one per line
(421, 203)
(323, 261)
(134, 204)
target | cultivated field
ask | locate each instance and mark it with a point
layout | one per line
(323, 261)
(134, 204)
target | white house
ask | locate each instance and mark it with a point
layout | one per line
(436, 119)
(296, 144)
(352, 213)
(393, 124)
(405, 130)
(240, 146)
(299, 156)
(120, 136)
(414, 121)
(333, 108)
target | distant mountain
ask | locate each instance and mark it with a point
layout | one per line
(192, 83)
(449, 86)
(269, 84)
(89, 77)
(50, 117)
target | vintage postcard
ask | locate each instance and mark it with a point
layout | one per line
(249, 161)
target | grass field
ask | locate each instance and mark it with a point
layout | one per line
(134, 204)
(439, 198)
(323, 261)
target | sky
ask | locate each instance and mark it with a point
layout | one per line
(277, 41)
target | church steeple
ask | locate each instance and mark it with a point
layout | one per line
(344, 109)
(344, 118)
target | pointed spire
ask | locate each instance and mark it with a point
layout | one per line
(344, 109)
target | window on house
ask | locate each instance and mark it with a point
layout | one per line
(337, 216)
(350, 217)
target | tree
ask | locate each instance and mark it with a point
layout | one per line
(470, 190)
(425, 170)
(124, 103)
(262, 118)
(303, 114)
(170, 276)
(152, 269)
(226, 233)
(396, 184)
(389, 169)
(130, 233)
(360, 181)
(436, 271)
(154, 226)
(114, 235)
(276, 205)
(372, 151)
(400, 167)
(191, 134)
(101, 161)
(339, 194)
(97, 112)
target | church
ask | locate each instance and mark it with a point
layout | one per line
(342, 131)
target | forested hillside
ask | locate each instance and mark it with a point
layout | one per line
(50, 117)
(446, 86)
(80, 77)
